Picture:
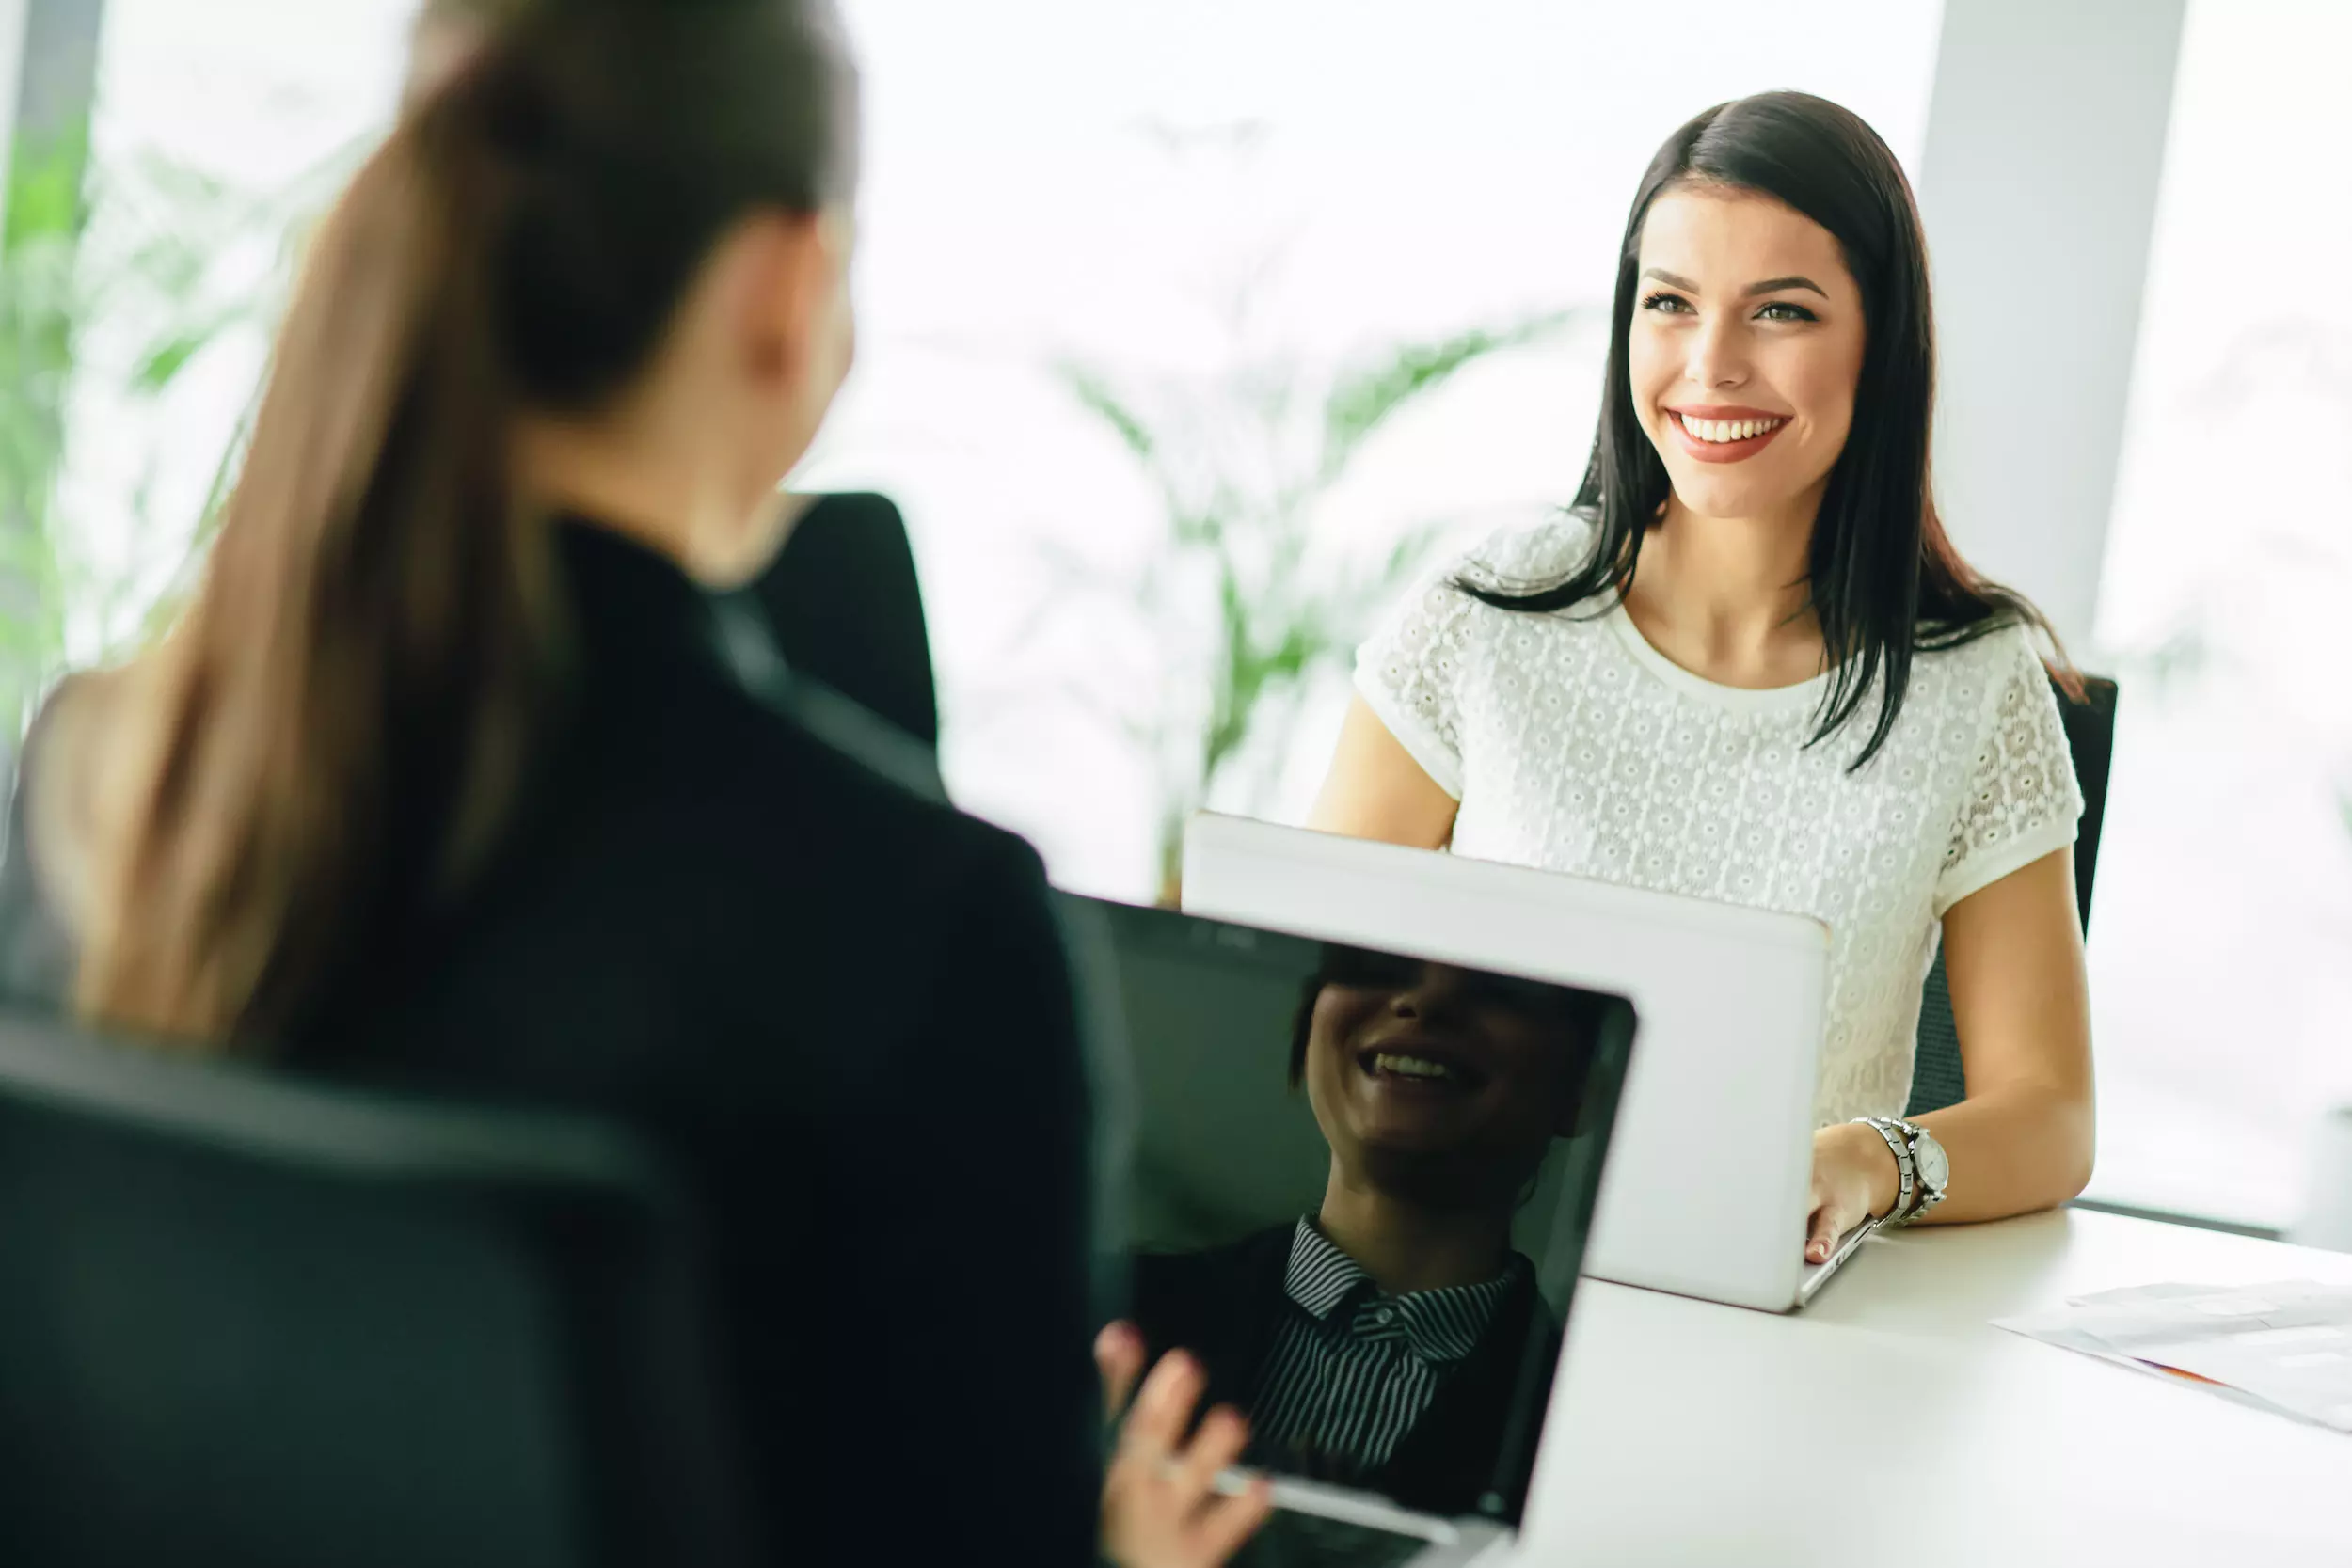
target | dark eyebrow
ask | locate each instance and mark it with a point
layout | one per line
(1774, 285)
(1770, 286)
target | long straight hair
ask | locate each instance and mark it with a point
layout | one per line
(1883, 580)
(379, 624)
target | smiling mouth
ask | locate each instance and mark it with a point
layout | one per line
(1722, 441)
(1420, 1068)
(1723, 432)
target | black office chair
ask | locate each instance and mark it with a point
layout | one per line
(1937, 1079)
(843, 604)
(250, 1321)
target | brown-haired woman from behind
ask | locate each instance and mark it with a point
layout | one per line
(453, 777)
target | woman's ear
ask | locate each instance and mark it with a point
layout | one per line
(774, 273)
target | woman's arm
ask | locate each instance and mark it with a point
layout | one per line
(2013, 955)
(1377, 790)
(2022, 1138)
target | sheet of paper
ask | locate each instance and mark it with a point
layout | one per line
(2286, 1346)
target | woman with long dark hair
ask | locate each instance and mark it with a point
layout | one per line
(1748, 665)
(455, 777)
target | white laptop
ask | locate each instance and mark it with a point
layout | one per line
(1360, 1190)
(1709, 1180)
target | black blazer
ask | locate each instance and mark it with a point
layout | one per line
(745, 921)
(1224, 1305)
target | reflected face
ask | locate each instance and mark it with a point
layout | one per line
(1467, 1076)
(1744, 351)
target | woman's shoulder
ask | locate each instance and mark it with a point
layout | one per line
(1527, 554)
(1989, 695)
(50, 861)
(1423, 666)
(1972, 668)
(812, 784)
(57, 799)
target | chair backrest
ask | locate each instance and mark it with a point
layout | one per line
(248, 1319)
(843, 604)
(1936, 1078)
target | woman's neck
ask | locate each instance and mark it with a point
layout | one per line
(648, 486)
(1728, 598)
(1405, 1246)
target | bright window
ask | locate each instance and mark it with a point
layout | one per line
(2221, 934)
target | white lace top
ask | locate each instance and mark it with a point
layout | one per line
(1575, 745)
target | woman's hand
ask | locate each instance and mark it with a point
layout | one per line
(1161, 1506)
(1854, 1176)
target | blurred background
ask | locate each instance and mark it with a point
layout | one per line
(1190, 333)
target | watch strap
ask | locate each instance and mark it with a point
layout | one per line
(1927, 1197)
(1907, 1169)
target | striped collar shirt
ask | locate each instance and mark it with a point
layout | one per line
(1350, 1369)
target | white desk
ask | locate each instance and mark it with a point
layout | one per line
(1889, 1425)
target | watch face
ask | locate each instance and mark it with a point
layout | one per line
(1935, 1169)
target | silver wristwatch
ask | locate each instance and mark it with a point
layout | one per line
(1920, 1163)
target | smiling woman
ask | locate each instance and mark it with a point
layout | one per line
(1803, 699)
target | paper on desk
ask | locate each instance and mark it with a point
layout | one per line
(2285, 1346)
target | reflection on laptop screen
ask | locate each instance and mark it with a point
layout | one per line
(1362, 1188)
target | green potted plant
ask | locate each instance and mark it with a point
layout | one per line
(154, 260)
(1245, 605)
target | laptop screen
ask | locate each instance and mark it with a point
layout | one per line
(1361, 1189)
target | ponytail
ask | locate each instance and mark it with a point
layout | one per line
(375, 630)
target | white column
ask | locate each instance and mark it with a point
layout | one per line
(2045, 140)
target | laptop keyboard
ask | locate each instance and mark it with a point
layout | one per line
(1305, 1541)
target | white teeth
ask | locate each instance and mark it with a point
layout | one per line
(1412, 1067)
(1729, 430)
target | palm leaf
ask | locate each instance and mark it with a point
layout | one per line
(1366, 398)
(154, 260)
(161, 365)
(1237, 494)
(1096, 395)
(46, 197)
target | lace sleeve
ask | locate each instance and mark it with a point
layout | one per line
(2022, 802)
(1409, 672)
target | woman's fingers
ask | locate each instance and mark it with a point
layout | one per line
(1235, 1520)
(1160, 1498)
(1822, 1235)
(1118, 1356)
(1216, 1445)
(1155, 1426)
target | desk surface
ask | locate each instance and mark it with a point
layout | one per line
(1890, 1426)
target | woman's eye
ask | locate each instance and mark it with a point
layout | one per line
(1674, 305)
(1782, 311)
